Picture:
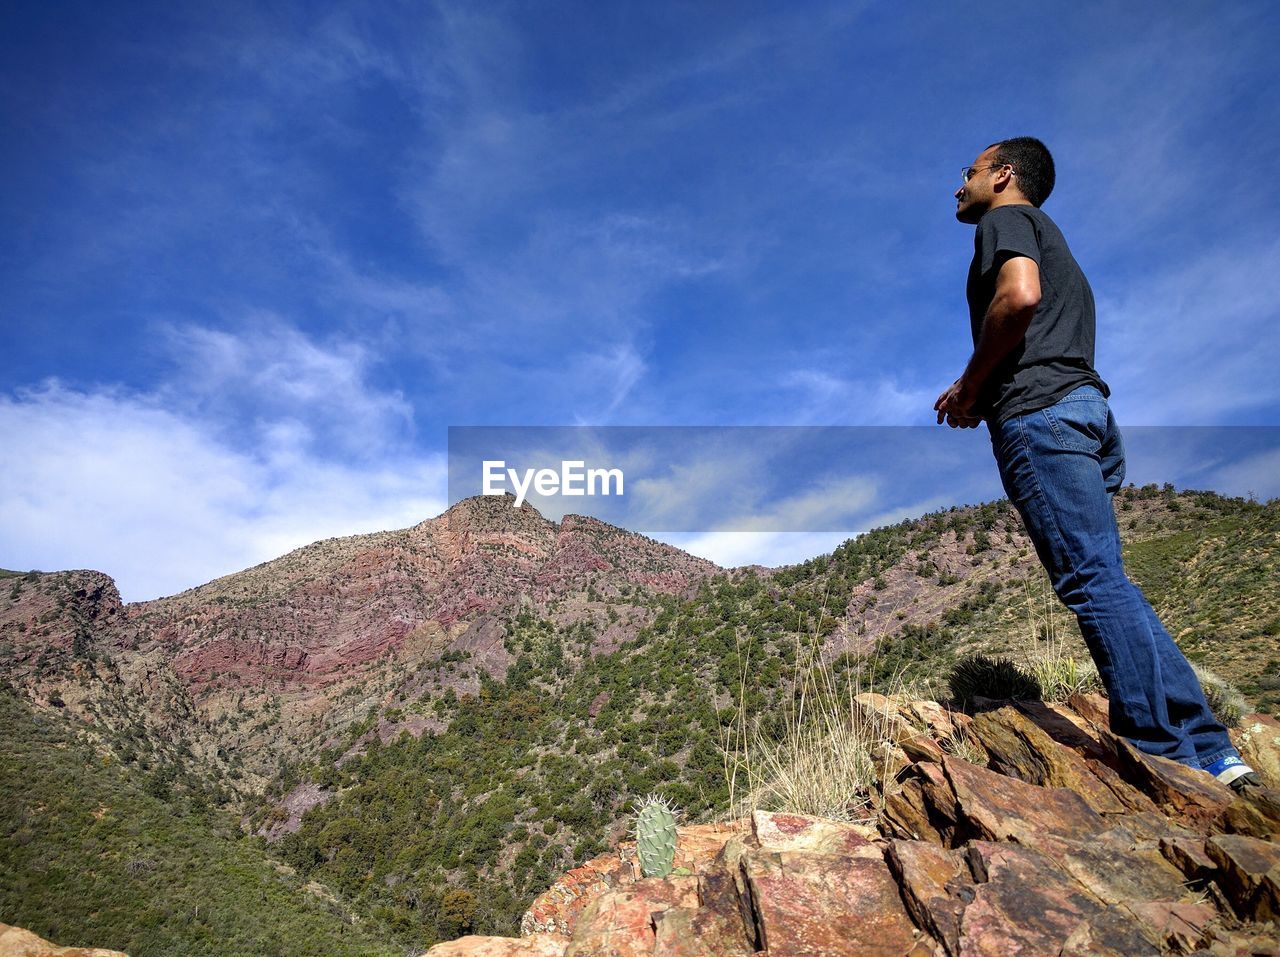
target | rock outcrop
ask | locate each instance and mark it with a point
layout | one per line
(1056, 838)
(16, 942)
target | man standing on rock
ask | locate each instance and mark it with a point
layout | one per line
(1059, 452)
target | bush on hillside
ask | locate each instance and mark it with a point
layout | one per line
(979, 676)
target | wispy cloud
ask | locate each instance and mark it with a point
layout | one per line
(1189, 344)
(273, 374)
(820, 397)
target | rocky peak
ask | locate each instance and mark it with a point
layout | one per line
(1056, 838)
(486, 520)
(317, 612)
(56, 614)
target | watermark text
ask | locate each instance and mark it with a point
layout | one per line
(572, 478)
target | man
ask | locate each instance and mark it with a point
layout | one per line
(1059, 452)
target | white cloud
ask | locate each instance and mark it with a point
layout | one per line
(824, 397)
(300, 391)
(1257, 476)
(1230, 460)
(167, 489)
(770, 549)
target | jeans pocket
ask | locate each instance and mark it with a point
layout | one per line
(1079, 423)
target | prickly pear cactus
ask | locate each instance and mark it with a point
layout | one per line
(655, 836)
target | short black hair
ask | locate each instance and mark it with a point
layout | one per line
(1033, 163)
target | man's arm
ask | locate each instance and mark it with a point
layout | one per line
(1014, 303)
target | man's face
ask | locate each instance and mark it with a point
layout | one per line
(974, 197)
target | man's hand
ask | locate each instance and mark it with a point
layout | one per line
(956, 406)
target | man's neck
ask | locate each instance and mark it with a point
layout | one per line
(1008, 199)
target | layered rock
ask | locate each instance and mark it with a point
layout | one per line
(1063, 839)
(308, 618)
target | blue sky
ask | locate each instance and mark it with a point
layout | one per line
(258, 258)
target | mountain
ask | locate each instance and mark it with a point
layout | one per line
(273, 661)
(435, 722)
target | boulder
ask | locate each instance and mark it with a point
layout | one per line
(936, 887)
(620, 923)
(1249, 874)
(826, 904)
(1000, 808)
(1018, 748)
(556, 910)
(774, 831)
(1024, 904)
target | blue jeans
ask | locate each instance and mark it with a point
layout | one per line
(1060, 467)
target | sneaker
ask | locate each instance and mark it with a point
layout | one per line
(1233, 772)
(1247, 780)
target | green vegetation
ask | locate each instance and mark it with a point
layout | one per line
(1212, 579)
(532, 775)
(90, 857)
(979, 676)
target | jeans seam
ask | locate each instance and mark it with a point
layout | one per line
(1053, 426)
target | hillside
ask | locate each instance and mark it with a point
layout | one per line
(436, 722)
(94, 852)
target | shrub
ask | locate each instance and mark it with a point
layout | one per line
(1224, 701)
(979, 676)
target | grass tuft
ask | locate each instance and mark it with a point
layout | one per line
(821, 754)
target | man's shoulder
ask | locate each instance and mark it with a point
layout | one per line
(1019, 218)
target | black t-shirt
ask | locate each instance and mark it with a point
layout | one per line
(1056, 354)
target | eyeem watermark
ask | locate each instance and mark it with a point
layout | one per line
(573, 478)
(802, 479)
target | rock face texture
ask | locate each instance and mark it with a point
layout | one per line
(1062, 840)
(311, 616)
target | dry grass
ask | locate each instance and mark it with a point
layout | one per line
(964, 747)
(1051, 659)
(824, 762)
